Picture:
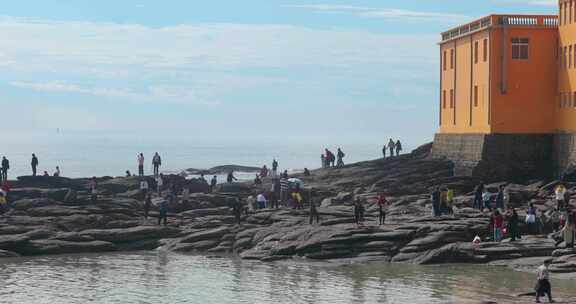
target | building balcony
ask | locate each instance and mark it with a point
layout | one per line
(536, 21)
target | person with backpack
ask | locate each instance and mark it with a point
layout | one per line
(34, 164)
(398, 147)
(5, 167)
(156, 163)
(340, 155)
(141, 165)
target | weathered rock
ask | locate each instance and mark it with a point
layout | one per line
(38, 247)
(131, 234)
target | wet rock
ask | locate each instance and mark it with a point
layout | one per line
(39, 247)
(131, 234)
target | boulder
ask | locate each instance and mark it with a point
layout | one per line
(124, 235)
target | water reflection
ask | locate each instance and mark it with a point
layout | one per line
(162, 277)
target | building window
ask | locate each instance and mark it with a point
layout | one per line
(444, 61)
(485, 50)
(444, 99)
(520, 48)
(476, 52)
(570, 57)
(475, 96)
(451, 58)
(451, 99)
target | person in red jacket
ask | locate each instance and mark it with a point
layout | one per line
(498, 222)
(382, 204)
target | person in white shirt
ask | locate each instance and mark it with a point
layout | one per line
(261, 200)
(141, 165)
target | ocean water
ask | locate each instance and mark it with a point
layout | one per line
(167, 278)
(84, 156)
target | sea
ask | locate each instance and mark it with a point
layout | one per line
(112, 155)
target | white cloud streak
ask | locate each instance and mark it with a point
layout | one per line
(387, 13)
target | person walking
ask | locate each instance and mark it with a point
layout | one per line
(478, 191)
(141, 165)
(543, 286)
(34, 164)
(382, 205)
(5, 168)
(398, 147)
(436, 201)
(391, 146)
(340, 155)
(93, 190)
(156, 163)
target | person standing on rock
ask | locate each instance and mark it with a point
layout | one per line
(237, 211)
(5, 168)
(34, 164)
(398, 147)
(543, 286)
(560, 192)
(500, 198)
(450, 201)
(391, 146)
(93, 189)
(384, 148)
(340, 156)
(264, 172)
(284, 187)
(213, 183)
(57, 172)
(478, 191)
(314, 215)
(163, 209)
(568, 233)
(531, 219)
(141, 165)
(513, 221)
(159, 184)
(436, 197)
(274, 166)
(231, 178)
(498, 222)
(144, 187)
(147, 205)
(156, 163)
(382, 205)
(358, 211)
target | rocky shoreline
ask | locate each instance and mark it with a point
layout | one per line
(50, 215)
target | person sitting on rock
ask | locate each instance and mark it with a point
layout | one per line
(261, 201)
(46, 174)
(128, 174)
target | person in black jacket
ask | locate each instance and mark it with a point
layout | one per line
(5, 168)
(34, 164)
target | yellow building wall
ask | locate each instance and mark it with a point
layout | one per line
(565, 113)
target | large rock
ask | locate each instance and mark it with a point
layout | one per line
(39, 247)
(131, 234)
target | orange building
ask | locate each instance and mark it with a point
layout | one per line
(499, 75)
(507, 102)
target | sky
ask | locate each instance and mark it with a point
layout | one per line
(362, 70)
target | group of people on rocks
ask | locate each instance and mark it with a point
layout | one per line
(156, 163)
(394, 147)
(442, 201)
(330, 160)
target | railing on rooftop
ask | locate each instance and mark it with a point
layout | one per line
(500, 20)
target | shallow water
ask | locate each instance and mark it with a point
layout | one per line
(156, 277)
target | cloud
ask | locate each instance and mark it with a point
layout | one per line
(387, 13)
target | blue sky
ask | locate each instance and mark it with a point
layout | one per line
(314, 70)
